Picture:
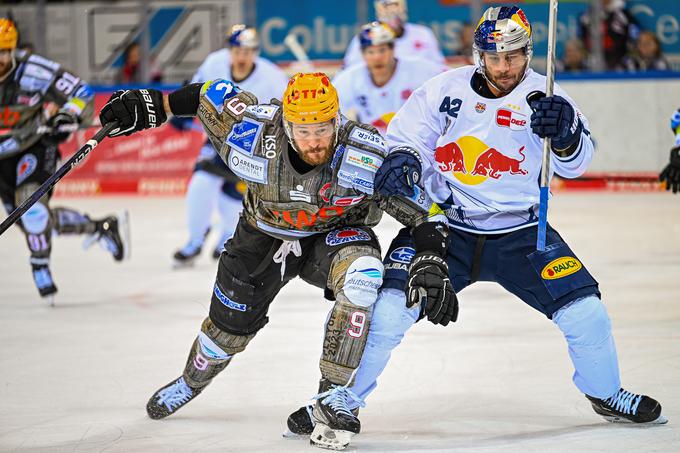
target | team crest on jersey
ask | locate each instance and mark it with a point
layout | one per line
(245, 135)
(26, 166)
(402, 255)
(345, 235)
(480, 107)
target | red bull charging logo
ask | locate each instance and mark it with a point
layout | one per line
(472, 161)
(382, 122)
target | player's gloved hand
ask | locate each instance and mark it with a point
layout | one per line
(429, 286)
(671, 174)
(62, 125)
(675, 122)
(555, 118)
(135, 110)
(399, 172)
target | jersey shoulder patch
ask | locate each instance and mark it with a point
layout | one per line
(263, 111)
(245, 135)
(367, 137)
(218, 91)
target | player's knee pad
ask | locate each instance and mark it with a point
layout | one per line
(344, 339)
(211, 352)
(391, 319)
(37, 219)
(584, 322)
(357, 271)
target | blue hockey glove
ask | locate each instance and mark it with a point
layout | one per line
(555, 118)
(399, 172)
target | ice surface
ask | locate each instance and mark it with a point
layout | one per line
(77, 377)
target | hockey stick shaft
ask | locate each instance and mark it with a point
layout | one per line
(545, 164)
(70, 164)
(298, 51)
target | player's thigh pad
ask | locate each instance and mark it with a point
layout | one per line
(356, 271)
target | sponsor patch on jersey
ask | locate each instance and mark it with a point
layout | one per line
(368, 138)
(228, 302)
(363, 279)
(53, 65)
(28, 83)
(8, 146)
(219, 91)
(364, 160)
(402, 255)
(355, 180)
(26, 166)
(347, 201)
(210, 349)
(269, 146)
(561, 267)
(299, 194)
(249, 168)
(506, 117)
(244, 136)
(336, 156)
(345, 235)
(38, 72)
(266, 111)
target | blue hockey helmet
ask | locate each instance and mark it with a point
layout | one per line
(502, 29)
(241, 36)
(375, 33)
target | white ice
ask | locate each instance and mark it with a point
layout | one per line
(77, 377)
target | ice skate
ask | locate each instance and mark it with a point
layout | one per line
(43, 281)
(113, 234)
(168, 399)
(301, 422)
(627, 407)
(335, 423)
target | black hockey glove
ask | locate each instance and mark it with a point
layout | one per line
(399, 172)
(429, 286)
(62, 125)
(554, 117)
(135, 110)
(671, 174)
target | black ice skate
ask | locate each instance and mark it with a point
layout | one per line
(168, 399)
(43, 281)
(301, 422)
(113, 234)
(627, 407)
(335, 424)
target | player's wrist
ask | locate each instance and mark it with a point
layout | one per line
(184, 101)
(432, 238)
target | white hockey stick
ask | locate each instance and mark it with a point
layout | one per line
(299, 52)
(545, 164)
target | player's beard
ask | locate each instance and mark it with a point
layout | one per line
(317, 155)
(505, 82)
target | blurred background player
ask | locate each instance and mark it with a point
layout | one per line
(412, 40)
(671, 173)
(37, 92)
(212, 183)
(375, 88)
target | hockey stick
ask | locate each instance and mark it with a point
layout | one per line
(545, 164)
(298, 52)
(70, 164)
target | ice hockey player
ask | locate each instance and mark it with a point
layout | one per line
(28, 158)
(671, 173)
(212, 183)
(308, 212)
(413, 40)
(377, 87)
(472, 138)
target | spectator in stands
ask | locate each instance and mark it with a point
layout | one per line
(619, 28)
(647, 55)
(465, 38)
(130, 72)
(574, 58)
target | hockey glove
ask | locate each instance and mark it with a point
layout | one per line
(429, 286)
(671, 174)
(554, 117)
(135, 110)
(62, 125)
(399, 172)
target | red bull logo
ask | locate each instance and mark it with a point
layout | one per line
(472, 162)
(382, 122)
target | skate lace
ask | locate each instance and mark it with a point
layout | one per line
(283, 251)
(339, 399)
(624, 402)
(175, 395)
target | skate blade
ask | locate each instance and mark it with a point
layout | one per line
(331, 439)
(186, 264)
(49, 300)
(124, 229)
(661, 420)
(288, 434)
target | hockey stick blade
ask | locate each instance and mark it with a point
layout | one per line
(70, 164)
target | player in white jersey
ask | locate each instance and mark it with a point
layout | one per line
(212, 183)
(470, 141)
(413, 40)
(378, 86)
(671, 172)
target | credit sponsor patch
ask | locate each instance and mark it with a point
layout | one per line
(265, 111)
(26, 166)
(368, 138)
(250, 168)
(561, 267)
(244, 136)
(345, 235)
(360, 159)
(226, 301)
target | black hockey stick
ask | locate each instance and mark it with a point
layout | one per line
(70, 164)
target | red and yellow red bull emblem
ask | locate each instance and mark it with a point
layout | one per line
(382, 122)
(561, 267)
(471, 161)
